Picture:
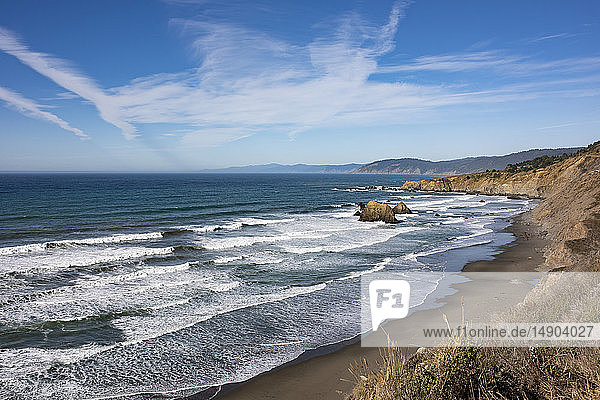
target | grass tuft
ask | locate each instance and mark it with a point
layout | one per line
(481, 373)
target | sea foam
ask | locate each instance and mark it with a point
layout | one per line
(41, 247)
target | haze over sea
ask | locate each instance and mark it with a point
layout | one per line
(131, 284)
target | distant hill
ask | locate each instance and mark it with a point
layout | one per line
(414, 166)
(289, 169)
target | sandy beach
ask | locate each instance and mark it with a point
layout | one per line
(328, 376)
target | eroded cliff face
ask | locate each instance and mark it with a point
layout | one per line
(569, 212)
(530, 184)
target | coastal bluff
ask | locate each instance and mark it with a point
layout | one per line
(534, 185)
(569, 213)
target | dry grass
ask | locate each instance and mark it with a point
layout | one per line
(481, 373)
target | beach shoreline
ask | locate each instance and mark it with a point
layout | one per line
(325, 373)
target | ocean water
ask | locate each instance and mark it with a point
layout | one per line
(162, 285)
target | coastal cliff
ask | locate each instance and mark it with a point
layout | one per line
(568, 218)
(569, 213)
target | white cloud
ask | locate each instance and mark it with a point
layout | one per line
(213, 136)
(247, 81)
(567, 124)
(66, 76)
(556, 36)
(30, 108)
(495, 61)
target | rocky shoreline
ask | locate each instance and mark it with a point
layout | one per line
(569, 213)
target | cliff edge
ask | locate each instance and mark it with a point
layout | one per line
(569, 212)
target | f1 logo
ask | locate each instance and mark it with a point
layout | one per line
(389, 299)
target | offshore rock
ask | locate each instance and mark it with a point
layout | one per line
(401, 208)
(375, 211)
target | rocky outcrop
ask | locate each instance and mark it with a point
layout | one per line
(375, 211)
(529, 184)
(569, 212)
(401, 208)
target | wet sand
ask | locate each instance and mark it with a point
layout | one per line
(328, 376)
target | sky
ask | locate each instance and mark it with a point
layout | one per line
(183, 85)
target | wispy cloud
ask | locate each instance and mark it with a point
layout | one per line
(32, 109)
(495, 61)
(247, 81)
(555, 36)
(68, 77)
(454, 62)
(567, 124)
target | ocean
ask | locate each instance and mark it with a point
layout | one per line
(162, 285)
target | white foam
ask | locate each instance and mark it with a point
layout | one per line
(363, 238)
(223, 286)
(147, 288)
(172, 304)
(22, 362)
(233, 225)
(81, 257)
(280, 344)
(413, 256)
(378, 267)
(40, 247)
(479, 232)
(139, 274)
(262, 221)
(244, 241)
(211, 228)
(240, 241)
(264, 259)
(226, 260)
(140, 328)
(450, 221)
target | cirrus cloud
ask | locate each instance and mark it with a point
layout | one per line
(30, 108)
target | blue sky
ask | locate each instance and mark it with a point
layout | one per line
(181, 85)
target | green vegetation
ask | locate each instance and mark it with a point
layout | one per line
(545, 161)
(481, 373)
(536, 163)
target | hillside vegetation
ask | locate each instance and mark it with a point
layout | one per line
(414, 166)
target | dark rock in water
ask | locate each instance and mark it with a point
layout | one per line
(437, 215)
(517, 197)
(375, 211)
(482, 201)
(401, 208)
(361, 207)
